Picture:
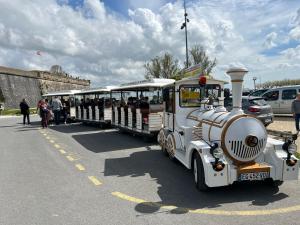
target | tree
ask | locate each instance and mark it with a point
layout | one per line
(279, 83)
(199, 56)
(162, 67)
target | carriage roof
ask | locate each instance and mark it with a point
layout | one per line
(61, 93)
(145, 84)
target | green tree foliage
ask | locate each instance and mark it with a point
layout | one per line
(198, 55)
(162, 67)
(167, 66)
(279, 83)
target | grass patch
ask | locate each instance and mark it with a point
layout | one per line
(16, 112)
(297, 154)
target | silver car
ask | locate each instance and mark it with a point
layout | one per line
(256, 106)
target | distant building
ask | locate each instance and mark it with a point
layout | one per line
(16, 84)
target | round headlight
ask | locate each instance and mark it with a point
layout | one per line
(292, 148)
(217, 153)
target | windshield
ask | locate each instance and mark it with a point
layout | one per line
(190, 95)
(258, 102)
(258, 93)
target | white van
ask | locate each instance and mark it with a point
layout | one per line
(281, 98)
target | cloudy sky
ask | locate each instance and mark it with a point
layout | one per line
(109, 41)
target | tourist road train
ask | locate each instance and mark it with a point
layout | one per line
(192, 126)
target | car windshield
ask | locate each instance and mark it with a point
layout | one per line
(258, 92)
(258, 101)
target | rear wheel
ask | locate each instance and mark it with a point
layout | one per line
(170, 146)
(161, 139)
(199, 175)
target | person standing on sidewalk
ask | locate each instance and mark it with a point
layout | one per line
(296, 110)
(56, 108)
(24, 107)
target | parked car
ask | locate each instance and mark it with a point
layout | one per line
(256, 106)
(258, 93)
(281, 98)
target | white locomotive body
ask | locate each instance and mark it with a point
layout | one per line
(221, 147)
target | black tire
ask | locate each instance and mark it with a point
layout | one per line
(198, 171)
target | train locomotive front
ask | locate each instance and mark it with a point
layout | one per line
(224, 147)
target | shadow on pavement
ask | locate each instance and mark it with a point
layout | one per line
(73, 128)
(109, 140)
(176, 185)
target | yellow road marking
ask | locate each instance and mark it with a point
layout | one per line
(70, 158)
(209, 211)
(94, 180)
(80, 167)
(62, 151)
(57, 146)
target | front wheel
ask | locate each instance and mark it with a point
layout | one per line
(199, 175)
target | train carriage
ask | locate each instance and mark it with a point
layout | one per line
(94, 106)
(138, 107)
(67, 97)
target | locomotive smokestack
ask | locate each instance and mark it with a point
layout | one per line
(237, 77)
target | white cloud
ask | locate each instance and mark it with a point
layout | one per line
(94, 43)
(270, 40)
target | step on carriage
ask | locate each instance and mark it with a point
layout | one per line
(221, 147)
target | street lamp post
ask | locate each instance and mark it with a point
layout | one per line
(184, 25)
(254, 79)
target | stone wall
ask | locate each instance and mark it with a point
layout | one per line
(17, 84)
(15, 88)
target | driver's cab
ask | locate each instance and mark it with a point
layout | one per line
(186, 97)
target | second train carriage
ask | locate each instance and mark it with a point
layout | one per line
(138, 107)
(67, 98)
(94, 106)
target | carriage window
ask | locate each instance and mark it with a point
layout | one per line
(271, 96)
(189, 96)
(289, 94)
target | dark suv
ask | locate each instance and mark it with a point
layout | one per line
(256, 106)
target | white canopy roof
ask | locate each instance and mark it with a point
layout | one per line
(145, 84)
(62, 93)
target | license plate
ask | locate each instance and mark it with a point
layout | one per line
(254, 176)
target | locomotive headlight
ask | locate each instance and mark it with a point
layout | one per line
(292, 148)
(217, 153)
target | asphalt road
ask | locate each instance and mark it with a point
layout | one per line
(84, 175)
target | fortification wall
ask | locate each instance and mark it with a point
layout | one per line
(17, 84)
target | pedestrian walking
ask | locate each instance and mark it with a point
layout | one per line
(296, 110)
(24, 107)
(44, 111)
(56, 107)
(65, 112)
(1, 108)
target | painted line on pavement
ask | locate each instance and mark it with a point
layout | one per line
(209, 211)
(51, 141)
(48, 138)
(57, 146)
(94, 180)
(70, 158)
(80, 167)
(62, 151)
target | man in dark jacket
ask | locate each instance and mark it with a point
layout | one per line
(296, 110)
(24, 107)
